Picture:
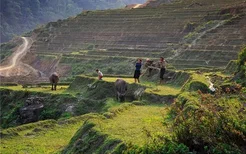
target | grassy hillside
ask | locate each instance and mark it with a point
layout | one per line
(48, 136)
(58, 133)
(187, 125)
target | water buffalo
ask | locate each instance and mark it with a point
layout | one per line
(121, 88)
(54, 78)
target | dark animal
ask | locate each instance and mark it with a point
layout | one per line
(54, 78)
(121, 88)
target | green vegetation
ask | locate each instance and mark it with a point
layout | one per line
(48, 136)
(37, 88)
(214, 124)
(141, 125)
(241, 74)
(196, 121)
(6, 50)
(180, 116)
(12, 101)
(150, 87)
(138, 124)
(163, 90)
(231, 67)
(87, 64)
(59, 132)
(55, 103)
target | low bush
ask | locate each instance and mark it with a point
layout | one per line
(210, 124)
(197, 85)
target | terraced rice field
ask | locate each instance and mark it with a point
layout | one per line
(212, 38)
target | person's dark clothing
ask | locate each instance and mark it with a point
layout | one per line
(138, 66)
(162, 66)
(162, 72)
(137, 74)
(137, 70)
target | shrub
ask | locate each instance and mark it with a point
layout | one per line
(206, 123)
(242, 58)
(196, 85)
(110, 70)
(88, 105)
(241, 74)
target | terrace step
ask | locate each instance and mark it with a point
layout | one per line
(152, 32)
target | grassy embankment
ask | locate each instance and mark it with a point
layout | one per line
(130, 124)
(52, 136)
(140, 120)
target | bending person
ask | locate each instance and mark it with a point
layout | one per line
(100, 75)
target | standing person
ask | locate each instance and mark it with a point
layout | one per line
(100, 75)
(162, 65)
(137, 70)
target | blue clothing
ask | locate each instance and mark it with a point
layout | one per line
(138, 66)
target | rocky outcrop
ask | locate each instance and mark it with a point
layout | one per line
(31, 111)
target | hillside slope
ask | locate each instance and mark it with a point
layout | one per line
(195, 122)
(22, 16)
(189, 35)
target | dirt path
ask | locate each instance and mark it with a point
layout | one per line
(21, 51)
(14, 65)
(137, 6)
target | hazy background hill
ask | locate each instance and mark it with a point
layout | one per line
(23, 15)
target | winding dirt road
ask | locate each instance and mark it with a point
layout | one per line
(21, 51)
(14, 65)
(137, 6)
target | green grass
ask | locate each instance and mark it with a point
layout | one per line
(203, 77)
(40, 139)
(44, 89)
(7, 49)
(164, 89)
(199, 77)
(113, 79)
(137, 124)
(75, 53)
(110, 103)
(133, 124)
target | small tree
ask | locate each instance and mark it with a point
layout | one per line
(241, 65)
(242, 58)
